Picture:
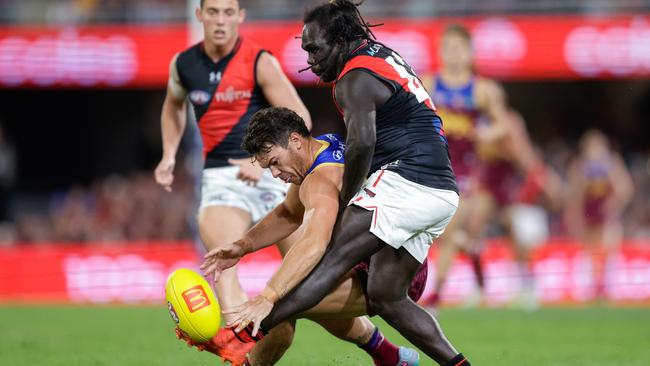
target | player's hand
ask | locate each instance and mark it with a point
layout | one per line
(252, 311)
(219, 259)
(164, 173)
(249, 172)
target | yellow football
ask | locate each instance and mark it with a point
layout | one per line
(192, 304)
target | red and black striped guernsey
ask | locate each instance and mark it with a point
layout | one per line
(224, 96)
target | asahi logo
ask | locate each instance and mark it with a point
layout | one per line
(196, 298)
(231, 95)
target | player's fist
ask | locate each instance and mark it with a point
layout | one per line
(249, 172)
(164, 173)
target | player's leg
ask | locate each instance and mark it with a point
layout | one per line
(271, 349)
(341, 313)
(454, 238)
(528, 227)
(391, 273)
(220, 225)
(483, 207)
(352, 242)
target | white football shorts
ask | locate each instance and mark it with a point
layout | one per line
(220, 187)
(406, 214)
(529, 225)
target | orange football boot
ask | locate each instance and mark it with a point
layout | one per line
(223, 344)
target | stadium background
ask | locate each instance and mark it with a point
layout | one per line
(82, 221)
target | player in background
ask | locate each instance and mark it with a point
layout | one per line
(226, 78)
(521, 188)
(398, 192)
(474, 111)
(600, 189)
(278, 139)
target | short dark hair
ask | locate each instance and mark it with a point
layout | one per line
(459, 30)
(271, 127)
(341, 21)
(203, 1)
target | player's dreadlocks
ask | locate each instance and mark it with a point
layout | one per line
(341, 21)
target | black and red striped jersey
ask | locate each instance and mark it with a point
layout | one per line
(224, 96)
(410, 137)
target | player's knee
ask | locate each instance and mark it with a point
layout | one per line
(380, 300)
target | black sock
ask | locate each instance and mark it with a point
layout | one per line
(246, 335)
(459, 360)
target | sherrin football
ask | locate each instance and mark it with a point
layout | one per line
(192, 304)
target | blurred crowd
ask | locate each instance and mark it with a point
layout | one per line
(168, 11)
(119, 208)
(113, 209)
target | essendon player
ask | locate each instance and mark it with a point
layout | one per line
(398, 189)
(226, 78)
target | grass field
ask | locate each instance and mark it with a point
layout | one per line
(67, 335)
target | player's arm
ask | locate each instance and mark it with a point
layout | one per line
(172, 123)
(575, 199)
(621, 183)
(277, 88)
(491, 100)
(278, 224)
(320, 199)
(359, 94)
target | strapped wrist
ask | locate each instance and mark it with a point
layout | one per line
(270, 294)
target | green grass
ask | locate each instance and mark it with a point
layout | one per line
(68, 335)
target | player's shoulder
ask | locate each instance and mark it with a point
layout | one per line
(487, 85)
(187, 56)
(266, 60)
(326, 176)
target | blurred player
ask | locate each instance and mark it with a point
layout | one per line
(601, 187)
(398, 184)
(465, 100)
(226, 78)
(520, 187)
(279, 140)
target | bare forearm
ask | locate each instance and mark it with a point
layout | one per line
(274, 227)
(172, 122)
(296, 265)
(358, 158)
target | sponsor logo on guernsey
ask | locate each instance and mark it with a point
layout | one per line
(196, 298)
(337, 154)
(215, 77)
(172, 312)
(231, 95)
(199, 96)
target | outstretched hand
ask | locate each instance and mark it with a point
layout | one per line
(219, 259)
(252, 311)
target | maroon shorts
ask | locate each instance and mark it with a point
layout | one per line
(418, 283)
